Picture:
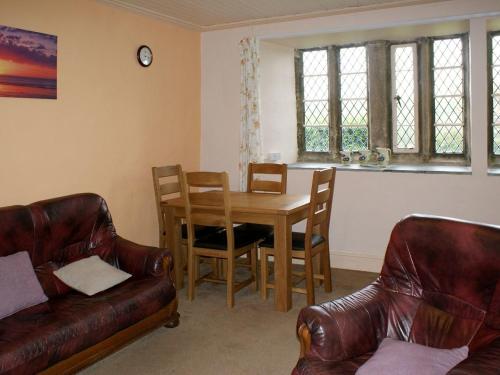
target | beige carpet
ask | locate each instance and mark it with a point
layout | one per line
(251, 338)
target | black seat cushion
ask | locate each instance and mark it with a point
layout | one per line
(298, 241)
(200, 231)
(260, 230)
(218, 240)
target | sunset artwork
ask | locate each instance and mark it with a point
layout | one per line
(28, 64)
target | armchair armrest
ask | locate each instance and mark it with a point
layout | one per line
(141, 261)
(485, 361)
(344, 328)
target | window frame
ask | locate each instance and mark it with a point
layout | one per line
(493, 160)
(465, 155)
(425, 87)
(416, 92)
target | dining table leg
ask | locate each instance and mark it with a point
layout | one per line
(283, 263)
(172, 227)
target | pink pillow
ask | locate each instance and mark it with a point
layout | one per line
(19, 287)
(404, 358)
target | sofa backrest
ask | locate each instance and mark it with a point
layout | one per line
(60, 229)
(16, 230)
(446, 277)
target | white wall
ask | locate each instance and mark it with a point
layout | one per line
(366, 204)
(277, 98)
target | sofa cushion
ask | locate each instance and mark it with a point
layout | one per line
(298, 241)
(404, 358)
(19, 287)
(91, 275)
(51, 285)
(317, 367)
(38, 337)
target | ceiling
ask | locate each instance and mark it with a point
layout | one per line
(217, 14)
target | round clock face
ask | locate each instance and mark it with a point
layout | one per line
(144, 56)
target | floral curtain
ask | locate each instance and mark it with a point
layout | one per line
(250, 134)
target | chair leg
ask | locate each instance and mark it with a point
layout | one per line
(230, 281)
(253, 259)
(327, 273)
(263, 273)
(317, 269)
(191, 274)
(309, 279)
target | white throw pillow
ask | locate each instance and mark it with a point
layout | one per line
(395, 357)
(91, 275)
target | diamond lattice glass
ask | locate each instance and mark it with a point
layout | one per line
(495, 75)
(316, 94)
(317, 138)
(354, 98)
(448, 96)
(496, 140)
(404, 97)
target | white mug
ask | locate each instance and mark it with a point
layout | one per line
(345, 157)
(384, 155)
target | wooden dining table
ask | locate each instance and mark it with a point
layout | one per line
(281, 211)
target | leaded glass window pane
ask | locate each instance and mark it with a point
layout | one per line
(316, 100)
(404, 93)
(448, 96)
(495, 74)
(354, 98)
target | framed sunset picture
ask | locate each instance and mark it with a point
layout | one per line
(28, 64)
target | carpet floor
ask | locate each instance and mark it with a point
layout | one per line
(251, 338)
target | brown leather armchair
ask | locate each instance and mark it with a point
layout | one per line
(439, 286)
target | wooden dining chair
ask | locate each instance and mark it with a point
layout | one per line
(166, 182)
(165, 190)
(272, 186)
(265, 185)
(213, 208)
(315, 240)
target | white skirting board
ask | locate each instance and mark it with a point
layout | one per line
(356, 261)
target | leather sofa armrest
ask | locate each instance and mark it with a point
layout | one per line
(485, 361)
(344, 328)
(140, 260)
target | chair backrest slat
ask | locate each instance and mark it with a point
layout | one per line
(320, 208)
(267, 186)
(170, 188)
(167, 171)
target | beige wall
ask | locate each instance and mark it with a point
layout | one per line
(366, 204)
(112, 120)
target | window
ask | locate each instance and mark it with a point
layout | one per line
(316, 103)
(448, 90)
(354, 98)
(410, 96)
(405, 98)
(495, 97)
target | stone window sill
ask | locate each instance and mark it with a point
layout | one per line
(393, 168)
(494, 171)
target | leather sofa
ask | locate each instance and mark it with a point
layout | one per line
(439, 286)
(72, 330)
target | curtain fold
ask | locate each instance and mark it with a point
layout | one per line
(250, 130)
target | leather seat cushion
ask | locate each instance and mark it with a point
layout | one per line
(200, 230)
(260, 230)
(298, 241)
(38, 337)
(218, 240)
(317, 367)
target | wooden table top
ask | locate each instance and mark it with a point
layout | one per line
(285, 204)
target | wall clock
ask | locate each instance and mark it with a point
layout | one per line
(144, 56)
